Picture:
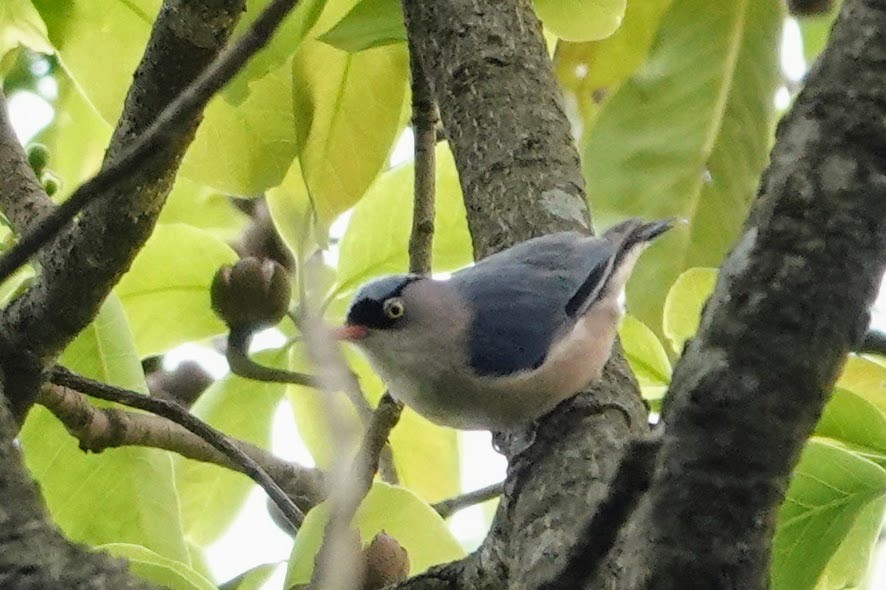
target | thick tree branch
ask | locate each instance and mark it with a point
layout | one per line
(519, 170)
(98, 429)
(790, 301)
(172, 411)
(501, 109)
(33, 554)
(874, 342)
(22, 198)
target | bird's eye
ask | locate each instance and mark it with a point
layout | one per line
(393, 308)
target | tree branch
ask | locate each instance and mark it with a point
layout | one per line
(874, 342)
(58, 564)
(447, 508)
(790, 301)
(520, 177)
(22, 198)
(98, 429)
(424, 127)
(180, 71)
(172, 411)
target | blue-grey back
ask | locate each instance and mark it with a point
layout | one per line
(523, 292)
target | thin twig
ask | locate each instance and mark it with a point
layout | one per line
(424, 123)
(240, 364)
(22, 198)
(172, 411)
(448, 507)
(629, 483)
(98, 429)
(155, 138)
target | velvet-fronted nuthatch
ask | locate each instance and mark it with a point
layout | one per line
(502, 342)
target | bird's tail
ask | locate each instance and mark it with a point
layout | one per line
(629, 238)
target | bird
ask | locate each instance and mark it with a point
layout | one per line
(502, 342)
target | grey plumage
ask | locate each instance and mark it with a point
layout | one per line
(503, 341)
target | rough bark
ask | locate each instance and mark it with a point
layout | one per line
(502, 113)
(33, 554)
(791, 301)
(501, 109)
(84, 263)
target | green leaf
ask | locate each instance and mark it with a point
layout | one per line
(166, 294)
(291, 208)
(291, 32)
(100, 44)
(581, 20)
(688, 135)
(371, 23)
(21, 26)
(76, 138)
(593, 70)
(392, 509)
(850, 418)
(253, 579)
(203, 208)
(245, 149)
(149, 566)
(683, 305)
(122, 495)
(349, 107)
(211, 496)
(831, 487)
(377, 237)
(848, 569)
(816, 30)
(239, 149)
(866, 378)
(646, 356)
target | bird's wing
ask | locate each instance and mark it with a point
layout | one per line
(520, 298)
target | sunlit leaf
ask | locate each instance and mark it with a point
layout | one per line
(21, 26)
(255, 578)
(376, 240)
(688, 135)
(203, 208)
(348, 107)
(815, 31)
(211, 496)
(155, 568)
(394, 510)
(581, 20)
(646, 356)
(372, 23)
(683, 305)
(281, 46)
(850, 567)
(866, 378)
(830, 489)
(123, 495)
(850, 418)
(291, 208)
(77, 137)
(166, 293)
(240, 149)
(593, 70)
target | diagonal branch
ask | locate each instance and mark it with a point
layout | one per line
(791, 299)
(180, 71)
(447, 508)
(98, 429)
(172, 411)
(22, 198)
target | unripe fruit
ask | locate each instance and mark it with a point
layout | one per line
(251, 294)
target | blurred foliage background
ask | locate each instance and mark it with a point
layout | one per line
(306, 156)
